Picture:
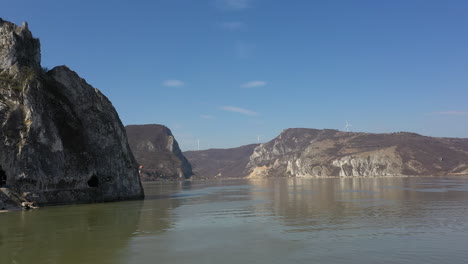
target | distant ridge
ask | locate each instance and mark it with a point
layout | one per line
(305, 152)
(220, 163)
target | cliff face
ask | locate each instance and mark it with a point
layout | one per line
(301, 152)
(18, 48)
(156, 149)
(221, 163)
(61, 139)
(315, 153)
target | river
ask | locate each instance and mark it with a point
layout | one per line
(333, 220)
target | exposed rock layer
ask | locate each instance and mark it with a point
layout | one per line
(156, 149)
(313, 153)
(61, 139)
(301, 152)
(18, 48)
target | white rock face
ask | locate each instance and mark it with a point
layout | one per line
(322, 153)
(170, 143)
(301, 152)
(380, 163)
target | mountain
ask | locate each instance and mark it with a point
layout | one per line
(302, 152)
(61, 140)
(310, 152)
(156, 149)
(221, 163)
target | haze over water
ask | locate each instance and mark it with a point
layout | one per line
(335, 220)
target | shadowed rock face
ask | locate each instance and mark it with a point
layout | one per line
(156, 149)
(61, 139)
(221, 163)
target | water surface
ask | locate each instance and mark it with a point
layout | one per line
(337, 220)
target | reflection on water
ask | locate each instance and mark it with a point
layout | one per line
(360, 220)
(340, 204)
(72, 234)
(95, 233)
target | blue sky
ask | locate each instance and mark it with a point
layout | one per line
(227, 71)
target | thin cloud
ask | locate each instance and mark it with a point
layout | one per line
(234, 4)
(239, 110)
(244, 50)
(232, 25)
(253, 84)
(173, 83)
(452, 113)
(207, 116)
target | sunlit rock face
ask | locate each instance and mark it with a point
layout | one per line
(299, 152)
(18, 48)
(158, 153)
(303, 152)
(61, 139)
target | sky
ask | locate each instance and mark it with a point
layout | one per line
(227, 73)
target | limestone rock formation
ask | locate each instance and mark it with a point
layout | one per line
(61, 139)
(158, 152)
(300, 152)
(18, 48)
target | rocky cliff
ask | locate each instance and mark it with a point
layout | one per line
(316, 153)
(301, 152)
(221, 163)
(61, 139)
(156, 149)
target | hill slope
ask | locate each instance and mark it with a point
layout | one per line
(221, 163)
(302, 152)
(156, 149)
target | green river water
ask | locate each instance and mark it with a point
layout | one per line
(334, 220)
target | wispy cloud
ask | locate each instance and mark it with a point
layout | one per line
(173, 83)
(452, 113)
(244, 50)
(232, 25)
(253, 84)
(207, 116)
(234, 4)
(239, 110)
